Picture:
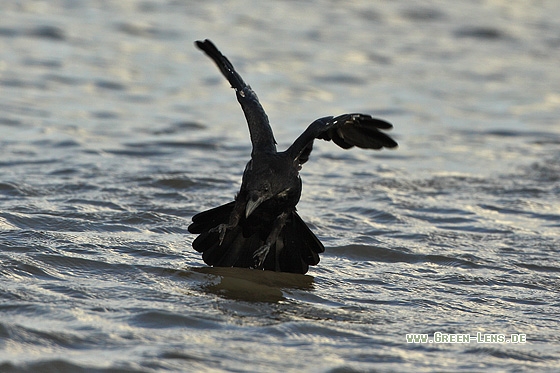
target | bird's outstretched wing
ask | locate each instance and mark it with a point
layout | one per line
(346, 131)
(262, 137)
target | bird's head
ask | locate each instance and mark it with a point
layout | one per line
(255, 197)
(263, 180)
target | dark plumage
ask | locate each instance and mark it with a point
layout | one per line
(261, 228)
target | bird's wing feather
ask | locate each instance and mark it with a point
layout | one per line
(262, 137)
(346, 131)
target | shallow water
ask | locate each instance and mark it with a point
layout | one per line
(115, 130)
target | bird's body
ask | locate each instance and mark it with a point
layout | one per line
(261, 228)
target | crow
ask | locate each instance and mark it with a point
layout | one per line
(261, 228)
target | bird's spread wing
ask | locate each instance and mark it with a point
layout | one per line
(262, 137)
(346, 131)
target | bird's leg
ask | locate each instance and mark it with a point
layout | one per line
(232, 223)
(260, 254)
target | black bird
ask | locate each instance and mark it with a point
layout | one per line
(261, 228)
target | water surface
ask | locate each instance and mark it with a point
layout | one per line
(115, 130)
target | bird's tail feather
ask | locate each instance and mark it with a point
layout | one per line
(301, 247)
(294, 251)
(209, 219)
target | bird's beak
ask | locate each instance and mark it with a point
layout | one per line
(252, 205)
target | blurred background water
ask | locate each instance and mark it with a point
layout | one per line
(115, 130)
